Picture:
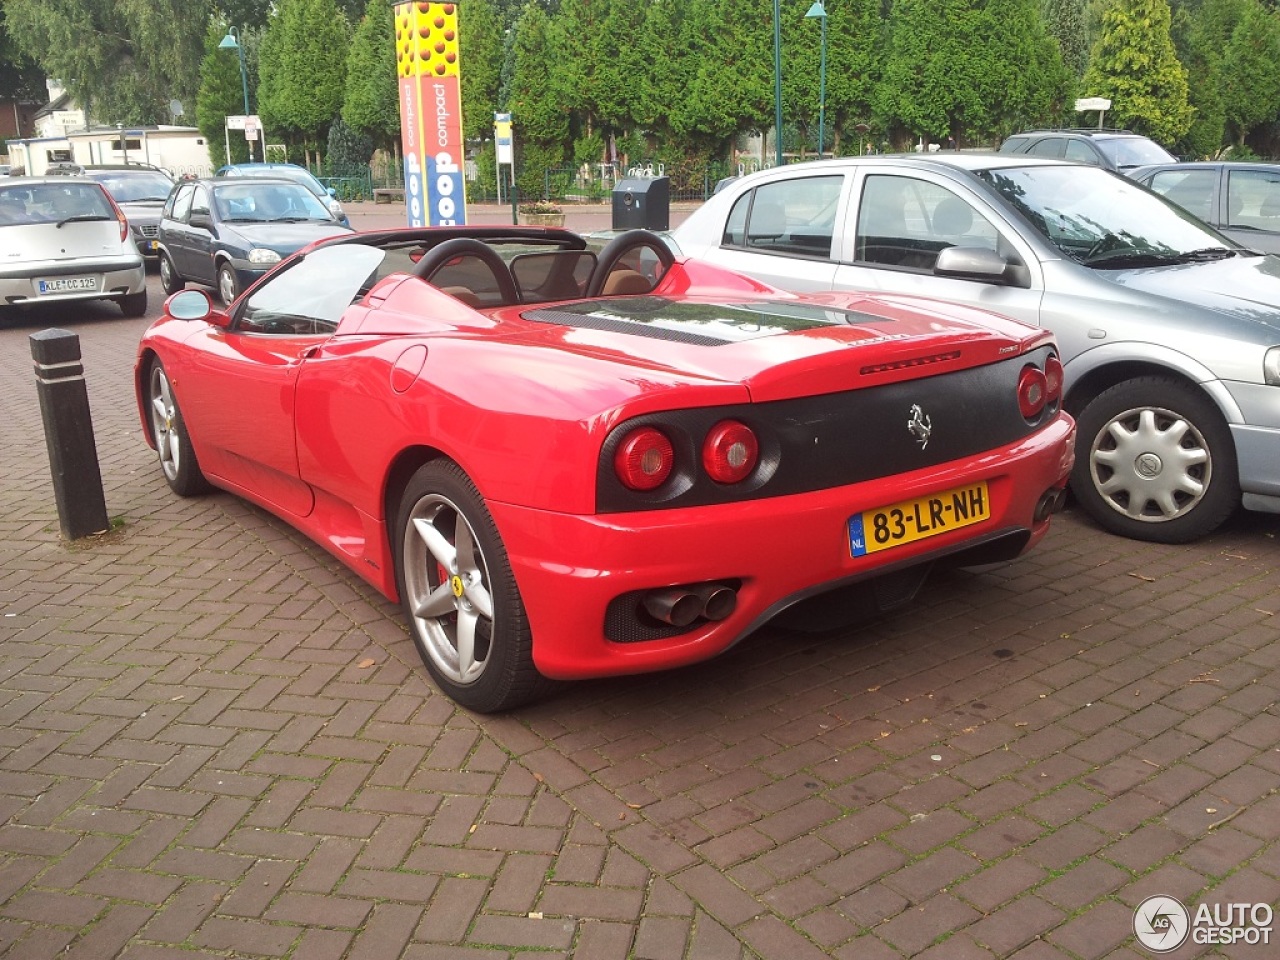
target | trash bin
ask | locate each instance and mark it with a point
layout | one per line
(642, 203)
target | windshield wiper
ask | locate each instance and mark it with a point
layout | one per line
(1119, 261)
(83, 218)
(1205, 254)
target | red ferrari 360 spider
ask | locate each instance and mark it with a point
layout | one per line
(572, 464)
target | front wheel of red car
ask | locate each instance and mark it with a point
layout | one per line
(177, 457)
(459, 594)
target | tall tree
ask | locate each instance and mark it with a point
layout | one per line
(1250, 72)
(540, 122)
(127, 58)
(371, 103)
(301, 81)
(480, 39)
(1134, 65)
(20, 77)
(1064, 21)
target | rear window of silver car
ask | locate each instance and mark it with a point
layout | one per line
(53, 203)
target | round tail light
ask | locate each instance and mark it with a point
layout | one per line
(1053, 377)
(644, 459)
(1032, 392)
(730, 452)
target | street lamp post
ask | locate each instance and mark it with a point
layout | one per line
(818, 12)
(232, 42)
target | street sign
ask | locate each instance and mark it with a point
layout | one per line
(1093, 103)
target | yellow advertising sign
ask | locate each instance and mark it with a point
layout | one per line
(427, 65)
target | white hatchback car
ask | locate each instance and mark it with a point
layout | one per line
(64, 239)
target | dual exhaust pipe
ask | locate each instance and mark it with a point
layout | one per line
(1051, 501)
(682, 606)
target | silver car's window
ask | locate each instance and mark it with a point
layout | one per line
(132, 188)
(794, 217)
(1133, 151)
(1253, 199)
(54, 203)
(1080, 152)
(310, 296)
(905, 222)
(1048, 147)
(1101, 219)
(1192, 190)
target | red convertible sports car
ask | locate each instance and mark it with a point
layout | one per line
(572, 464)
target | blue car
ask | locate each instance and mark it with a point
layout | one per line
(226, 233)
(289, 171)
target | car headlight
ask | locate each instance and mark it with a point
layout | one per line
(262, 255)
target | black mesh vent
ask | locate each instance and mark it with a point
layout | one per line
(630, 327)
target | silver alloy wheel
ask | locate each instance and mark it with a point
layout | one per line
(163, 423)
(1150, 464)
(447, 586)
(226, 284)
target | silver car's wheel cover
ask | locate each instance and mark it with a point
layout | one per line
(1150, 464)
(163, 415)
(226, 285)
(447, 586)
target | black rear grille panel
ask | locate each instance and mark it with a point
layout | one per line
(815, 443)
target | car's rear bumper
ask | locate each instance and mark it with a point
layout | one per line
(775, 551)
(113, 277)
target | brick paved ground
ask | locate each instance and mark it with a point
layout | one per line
(214, 742)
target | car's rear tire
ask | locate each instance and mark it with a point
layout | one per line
(1155, 461)
(134, 304)
(169, 278)
(459, 594)
(169, 430)
(228, 288)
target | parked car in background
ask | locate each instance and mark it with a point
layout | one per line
(140, 190)
(567, 465)
(64, 239)
(5, 169)
(1119, 150)
(289, 171)
(1170, 331)
(226, 233)
(1241, 200)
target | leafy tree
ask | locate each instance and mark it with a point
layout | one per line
(301, 81)
(371, 103)
(541, 124)
(221, 95)
(856, 32)
(348, 148)
(1135, 66)
(20, 78)
(480, 38)
(127, 58)
(1250, 72)
(1200, 33)
(1064, 21)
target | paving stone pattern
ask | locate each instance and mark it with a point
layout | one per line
(215, 742)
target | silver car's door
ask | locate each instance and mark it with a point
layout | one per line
(898, 222)
(784, 232)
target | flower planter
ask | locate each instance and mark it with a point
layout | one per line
(542, 219)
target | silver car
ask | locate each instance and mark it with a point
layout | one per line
(64, 239)
(1170, 331)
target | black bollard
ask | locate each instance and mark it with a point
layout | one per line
(68, 433)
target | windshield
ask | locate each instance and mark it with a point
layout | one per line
(133, 187)
(1102, 220)
(252, 201)
(1133, 151)
(296, 174)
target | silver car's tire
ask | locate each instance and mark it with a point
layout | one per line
(1155, 461)
(459, 594)
(169, 430)
(228, 287)
(169, 279)
(134, 304)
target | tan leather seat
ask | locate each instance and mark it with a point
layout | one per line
(624, 282)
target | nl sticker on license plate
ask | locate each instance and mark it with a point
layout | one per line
(918, 519)
(65, 284)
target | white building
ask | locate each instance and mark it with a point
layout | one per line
(63, 135)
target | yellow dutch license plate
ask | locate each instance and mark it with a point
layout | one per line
(918, 519)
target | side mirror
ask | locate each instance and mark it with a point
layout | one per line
(333, 191)
(195, 305)
(200, 221)
(971, 263)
